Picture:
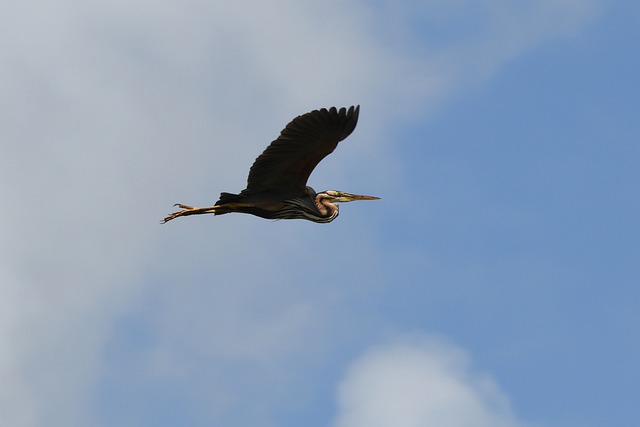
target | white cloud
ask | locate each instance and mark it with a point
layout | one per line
(420, 383)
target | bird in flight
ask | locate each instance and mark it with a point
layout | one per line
(277, 184)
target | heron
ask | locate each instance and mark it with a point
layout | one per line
(277, 183)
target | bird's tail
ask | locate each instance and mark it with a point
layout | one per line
(228, 198)
(229, 202)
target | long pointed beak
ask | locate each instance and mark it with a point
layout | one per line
(346, 197)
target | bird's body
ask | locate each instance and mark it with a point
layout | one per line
(277, 184)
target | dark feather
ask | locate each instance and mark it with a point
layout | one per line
(288, 161)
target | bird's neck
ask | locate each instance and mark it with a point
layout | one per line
(325, 207)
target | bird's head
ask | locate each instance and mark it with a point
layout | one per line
(334, 196)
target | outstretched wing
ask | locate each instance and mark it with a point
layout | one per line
(288, 161)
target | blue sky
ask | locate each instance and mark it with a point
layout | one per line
(494, 284)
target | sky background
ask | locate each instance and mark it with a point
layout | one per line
(495, 284)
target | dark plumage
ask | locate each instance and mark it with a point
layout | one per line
(277, 184)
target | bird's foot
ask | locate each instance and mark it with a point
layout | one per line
(185, 209)
(188, 210)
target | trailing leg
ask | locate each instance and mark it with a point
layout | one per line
(190, 210)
